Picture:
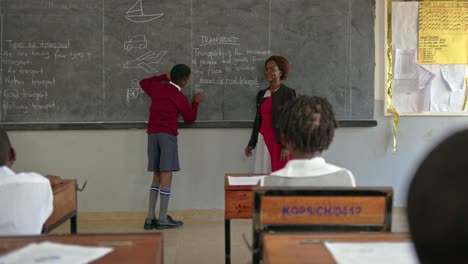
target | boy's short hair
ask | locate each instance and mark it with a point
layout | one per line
(437, 204)
(5, 147)
(179, 73)
(308, 123)
(283, 65)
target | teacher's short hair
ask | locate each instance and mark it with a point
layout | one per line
(283, 65)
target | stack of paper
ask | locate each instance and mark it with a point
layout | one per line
(247, 180)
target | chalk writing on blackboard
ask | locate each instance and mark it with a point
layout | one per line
(135, 14)
(144, 61)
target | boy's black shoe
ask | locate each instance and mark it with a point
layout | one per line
(169, 223)
(150, 224)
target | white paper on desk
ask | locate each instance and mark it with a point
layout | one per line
(48, 252)
(371, 253)
(249, 180)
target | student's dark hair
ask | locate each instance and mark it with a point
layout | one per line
(308, 123)
(5, 147)
(437, 204)
(179, 73)
(283, 65)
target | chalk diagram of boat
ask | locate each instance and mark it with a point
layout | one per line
(145, 61)
(136, 42)
(135, 14)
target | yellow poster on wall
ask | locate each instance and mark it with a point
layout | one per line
(443, 33)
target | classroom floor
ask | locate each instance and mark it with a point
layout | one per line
(200, 241)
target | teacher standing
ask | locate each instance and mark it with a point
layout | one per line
(265, 138)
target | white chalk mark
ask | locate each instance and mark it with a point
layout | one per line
(135, 14)
(134, 91)
(145, 61)
(136, 42)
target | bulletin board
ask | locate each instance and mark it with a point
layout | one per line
(427, 57)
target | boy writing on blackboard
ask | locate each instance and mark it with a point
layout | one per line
(167, 102)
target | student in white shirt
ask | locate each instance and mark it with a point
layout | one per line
(26, 199)
(307, 126)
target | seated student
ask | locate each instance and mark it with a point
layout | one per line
(437, 204)
(307, 126)
(26, 199)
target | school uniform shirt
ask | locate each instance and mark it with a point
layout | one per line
(324, 173)
(167, 102)
(26, 201)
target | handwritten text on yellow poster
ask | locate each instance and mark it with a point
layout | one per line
(443, 32)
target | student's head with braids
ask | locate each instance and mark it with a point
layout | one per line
(307, 126)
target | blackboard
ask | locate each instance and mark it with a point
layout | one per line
(79, 61)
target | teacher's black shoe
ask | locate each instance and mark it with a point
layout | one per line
(150, 224)
(168, 223)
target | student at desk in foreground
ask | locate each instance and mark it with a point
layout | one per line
(307, 126)
(26, 199)
(437, 204)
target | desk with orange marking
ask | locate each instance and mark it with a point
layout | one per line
(332, 209)
(309, 248)
(127, 248)
(64, 206)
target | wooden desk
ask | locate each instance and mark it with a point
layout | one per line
(332, 209)
(128, 248)
(64, 206)
(238, 204)
(309, 248)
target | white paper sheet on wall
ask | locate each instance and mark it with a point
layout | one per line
(405, 25)
(425, 78)
(407, 95)
(453, 75)
(447, 94)
(457, 99)
(405, 64)
(414, 102)
(408, 86)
